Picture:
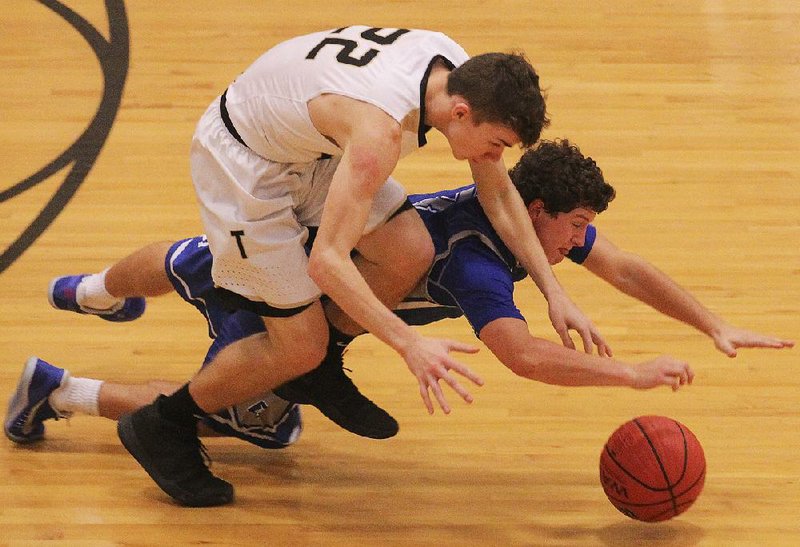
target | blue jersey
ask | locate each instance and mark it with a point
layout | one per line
(473, 272)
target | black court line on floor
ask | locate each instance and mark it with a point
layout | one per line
(113, 57)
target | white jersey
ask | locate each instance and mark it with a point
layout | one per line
(388, 68)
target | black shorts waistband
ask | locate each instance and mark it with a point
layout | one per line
(226, 119)
(233, 301)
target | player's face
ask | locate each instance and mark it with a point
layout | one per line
(560, 233)
(483, 142)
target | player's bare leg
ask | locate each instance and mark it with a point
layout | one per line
(141, 273)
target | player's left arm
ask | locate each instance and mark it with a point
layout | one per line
(541, 360)
(483, 287)
(636, 277)
(509, 217)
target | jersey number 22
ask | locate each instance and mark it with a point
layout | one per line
(348, 46)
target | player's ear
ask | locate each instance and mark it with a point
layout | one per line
(535, 208)
(461, 109)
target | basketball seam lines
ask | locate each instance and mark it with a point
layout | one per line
(661, 464)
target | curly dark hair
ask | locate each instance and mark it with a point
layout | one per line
(562, 177)
(502, 88)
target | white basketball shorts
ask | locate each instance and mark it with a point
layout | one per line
(255, 214)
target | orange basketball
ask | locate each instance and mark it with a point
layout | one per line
(652, 468)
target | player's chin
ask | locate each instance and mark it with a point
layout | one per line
(555, 259)
(459, 155)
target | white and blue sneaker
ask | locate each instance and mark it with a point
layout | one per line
(29, 407)
(62, 296)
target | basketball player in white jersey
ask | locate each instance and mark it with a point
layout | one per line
(308, 137)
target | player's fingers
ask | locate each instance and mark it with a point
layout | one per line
(457, 387)
(768, 343)
(565, 339)
(680, 377)
(453, 345)
(464, 371)
(437, 392)
(588, 343)
(426, 398)
(603, 349)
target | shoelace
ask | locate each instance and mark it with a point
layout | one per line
(196, 462)
(24, 422)
(339, 387)
(204, 454)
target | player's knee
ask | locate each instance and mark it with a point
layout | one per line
(311, 357)
(417, 255)
(307, 352)
(423, 250)
(418, 242)
(301, 340)
(412, 243)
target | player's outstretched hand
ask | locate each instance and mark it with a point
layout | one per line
(566, 316)
(663, 371)
(429, 360)
(728, 339)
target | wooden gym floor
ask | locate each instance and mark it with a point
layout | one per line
(691, 110)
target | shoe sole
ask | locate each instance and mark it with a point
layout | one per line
(127, 434)
(50, 288)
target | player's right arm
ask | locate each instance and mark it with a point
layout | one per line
(370, 139)
(636, 277)
(544, 361)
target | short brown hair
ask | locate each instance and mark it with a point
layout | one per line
(502, 88)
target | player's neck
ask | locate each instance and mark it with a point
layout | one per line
(437, 102)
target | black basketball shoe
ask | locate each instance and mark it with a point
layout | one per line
(173, 456)
(328, 388)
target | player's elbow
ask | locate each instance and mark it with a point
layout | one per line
(365, 163)
(323, 265)
(520, 366)
(374, 155)
(524, 366)
(528, 363)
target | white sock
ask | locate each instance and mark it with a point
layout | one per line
(81, 395)
(92, 293)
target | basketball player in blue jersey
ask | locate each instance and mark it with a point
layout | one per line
(309, 135)
(473, 275)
